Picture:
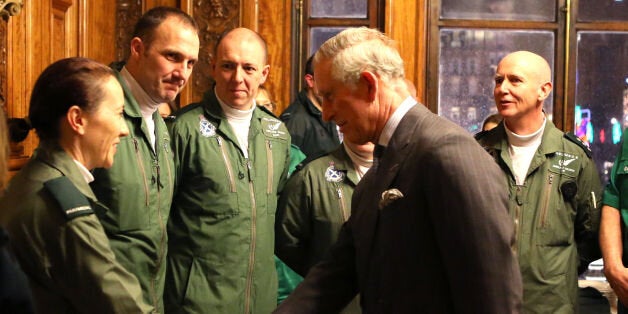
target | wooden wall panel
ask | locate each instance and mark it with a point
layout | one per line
(274, 25)
(63, 34)
(96, 30)
(405, 22)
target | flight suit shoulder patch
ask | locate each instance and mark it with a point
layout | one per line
(72, 202)
(573, 138)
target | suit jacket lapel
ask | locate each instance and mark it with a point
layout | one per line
(381, 179)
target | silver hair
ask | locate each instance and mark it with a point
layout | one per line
(361, 49)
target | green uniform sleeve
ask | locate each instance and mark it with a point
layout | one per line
(85, 268)
(293, 225)
(83, 264)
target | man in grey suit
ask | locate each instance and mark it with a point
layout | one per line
(429, 230)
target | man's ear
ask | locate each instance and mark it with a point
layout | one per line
(137, 46)
(76, 119)
(309, 80)
(265, 72)
(371, 81)
(544, 90)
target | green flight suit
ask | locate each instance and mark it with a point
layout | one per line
(222, 220)
(556, 214)
(138, 190)
(313, 206)
(63, 249)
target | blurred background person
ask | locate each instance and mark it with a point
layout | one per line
(264, 99)
(304, 120)
(491, 121)
(49, 210)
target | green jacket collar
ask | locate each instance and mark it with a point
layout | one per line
(132, 108)
(57, 158)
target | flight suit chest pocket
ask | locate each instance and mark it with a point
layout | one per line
(557, 200)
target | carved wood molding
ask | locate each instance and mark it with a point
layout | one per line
(213, 18)
(10, 8)
(128, 12)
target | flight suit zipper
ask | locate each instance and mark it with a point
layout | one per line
(546, 200)
(249, 275)
(223, 150)
(518, 216)
(269, 159)
(162, 226)
(343, 207)
(142, 170)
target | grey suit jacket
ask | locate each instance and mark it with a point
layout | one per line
(444, 247)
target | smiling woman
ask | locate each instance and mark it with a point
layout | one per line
(49, 208)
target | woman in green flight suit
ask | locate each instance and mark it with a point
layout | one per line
(48, 208)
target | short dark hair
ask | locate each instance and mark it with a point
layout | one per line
(308, 66)
(63, 84)
(146, 25)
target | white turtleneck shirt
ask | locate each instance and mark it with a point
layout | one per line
(148, 106)
(522, 149)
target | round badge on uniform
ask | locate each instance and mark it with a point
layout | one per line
(206, 128)
(334, 175)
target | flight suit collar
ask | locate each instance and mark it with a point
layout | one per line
(57, 158)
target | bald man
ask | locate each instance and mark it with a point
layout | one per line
(231, 161)
(555, 190)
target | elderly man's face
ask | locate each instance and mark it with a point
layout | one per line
(519, 87)
(239, 69)
(347, 107)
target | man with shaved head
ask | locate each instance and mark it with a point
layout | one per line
(555, 190)
(231, 161)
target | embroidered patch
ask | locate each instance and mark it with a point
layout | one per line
(206, 128)
(272, 127)
(334, 175)
(565, 163)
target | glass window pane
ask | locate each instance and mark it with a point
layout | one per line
(607, 10)
(318, 35)
(507, 10)
(602, 94)
(468, 60)
(338, 8)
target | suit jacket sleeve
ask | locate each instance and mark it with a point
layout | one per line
(469, 210)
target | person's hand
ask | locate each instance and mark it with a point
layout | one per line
(618, 279)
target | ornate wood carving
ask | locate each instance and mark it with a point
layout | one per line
(7, 8)
(127, 14)
(213, 18)
(3, 62)
(10, 8)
